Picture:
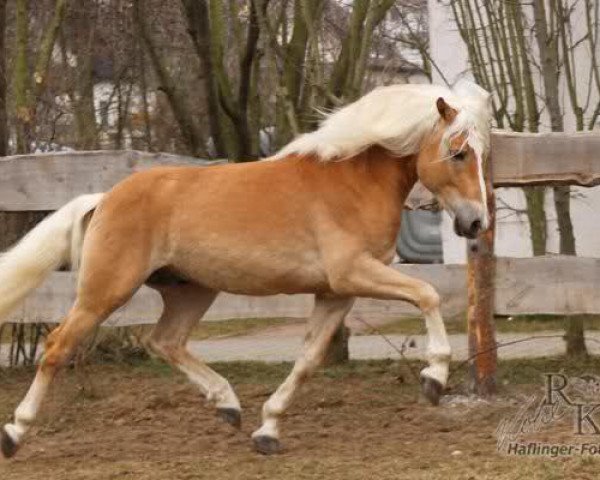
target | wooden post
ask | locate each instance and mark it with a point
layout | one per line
(480, 312)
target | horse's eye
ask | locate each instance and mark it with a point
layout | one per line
(460, 155)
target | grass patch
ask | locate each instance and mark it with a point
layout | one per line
(240, 371)
(401, 326)
(203, 331)
(514, 371)
(517, 324)
(537, 323)
(412, 326)
(275, 372)
(239, 326)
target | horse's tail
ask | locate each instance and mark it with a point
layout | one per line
(53, 243)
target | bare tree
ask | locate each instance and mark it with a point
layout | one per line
(28, 88)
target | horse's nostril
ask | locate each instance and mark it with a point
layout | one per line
(465, 229)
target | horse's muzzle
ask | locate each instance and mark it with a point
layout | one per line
(470, 221)
(468, 230)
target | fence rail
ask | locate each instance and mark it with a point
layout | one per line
(541, 285)
(49, 180)
(522, 159)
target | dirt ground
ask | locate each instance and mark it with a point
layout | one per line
(361, 421)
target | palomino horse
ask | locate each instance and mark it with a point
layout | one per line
(320, 217)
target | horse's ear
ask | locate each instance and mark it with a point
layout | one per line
(446, 111)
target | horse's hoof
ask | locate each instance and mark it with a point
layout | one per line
(231, 415)
(8, 446)
(432, 389)
(266, 445)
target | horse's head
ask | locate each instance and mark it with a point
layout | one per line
(450, 164)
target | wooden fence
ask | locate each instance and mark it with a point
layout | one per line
(553, 285)
(520, 160)
(541, 285)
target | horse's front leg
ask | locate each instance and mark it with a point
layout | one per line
(368, 277)
(328, 314)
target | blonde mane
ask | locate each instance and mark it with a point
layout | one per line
(398, 118)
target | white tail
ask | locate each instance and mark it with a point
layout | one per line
(55, 242)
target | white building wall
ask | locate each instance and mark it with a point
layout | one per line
(512, 231)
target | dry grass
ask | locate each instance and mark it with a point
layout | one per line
(240, 326)
(403, 326)
(517, 324)
(204, 330)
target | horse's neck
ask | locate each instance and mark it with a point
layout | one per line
(374, 177)
(396, 175)
(373, 186)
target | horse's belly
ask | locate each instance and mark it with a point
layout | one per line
(255, 274)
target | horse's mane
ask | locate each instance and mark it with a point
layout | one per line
(398, 118)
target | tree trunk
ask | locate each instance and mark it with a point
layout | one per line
(190, 132)
(344, 66)
(145, 104)
(3, 109)
(243, 123)
(15, 224)
(574, 324)
(85, 113)
(536, 215)
(28, 90)
(44, 52)
(547, 43)
(290, 119)
(198, 26)
(23, 114)
(575, 336)
(82, 43)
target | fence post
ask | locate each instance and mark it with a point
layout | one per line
(480, 312)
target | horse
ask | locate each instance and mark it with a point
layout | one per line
(321, 216)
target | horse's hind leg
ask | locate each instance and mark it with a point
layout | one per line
(102, 290)
(184, 305)
(328, 314)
